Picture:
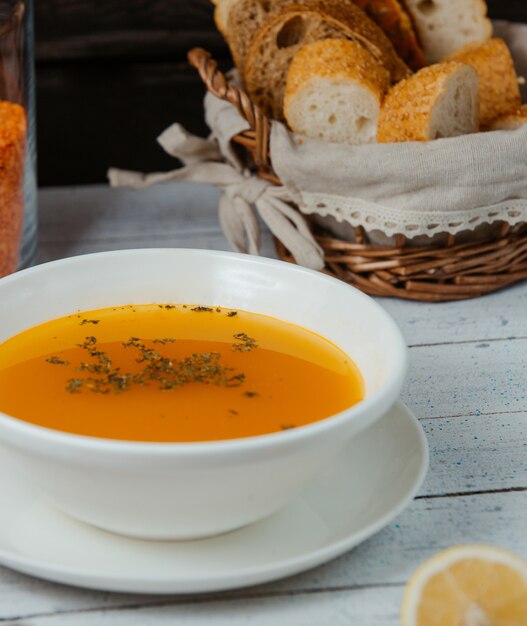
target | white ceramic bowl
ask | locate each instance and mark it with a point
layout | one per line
(187, 490)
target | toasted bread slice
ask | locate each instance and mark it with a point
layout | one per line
(444, 26)
(439, 101)
(499, 93)
(512, 121)
(273, 49)
(278, 41)
(244, 19)
(365, 31)
(240, 20)
(221, 14)
(397, 23)
(334, 92)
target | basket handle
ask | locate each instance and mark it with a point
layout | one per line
(220, 87)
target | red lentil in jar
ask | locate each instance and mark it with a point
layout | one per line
(13, 131)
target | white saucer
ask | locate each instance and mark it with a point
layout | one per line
(367, 486)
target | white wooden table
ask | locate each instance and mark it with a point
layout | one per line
(467, 384)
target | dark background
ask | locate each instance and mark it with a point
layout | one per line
(112, 74)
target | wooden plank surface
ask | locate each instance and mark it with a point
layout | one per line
(385, 561)
(340, 608)
(466, 383)
(490, 462)
(95, 218)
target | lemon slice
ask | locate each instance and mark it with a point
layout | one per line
(468, 586)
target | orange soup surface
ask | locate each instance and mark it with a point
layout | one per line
(173, 373)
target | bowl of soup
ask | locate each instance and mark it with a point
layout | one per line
(177, 394)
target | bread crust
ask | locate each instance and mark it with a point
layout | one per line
(438, 39)
(327, 67)
(398, 25)
(222, 8)
(407, 109)
(511, 121)
(499, 90)
(336, 58)
(244, 19)
(365, 31)
(267, 62)
(240, 21)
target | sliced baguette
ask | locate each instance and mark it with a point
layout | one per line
(365, 31)
(512, 121)
(499, 93)
(397, 23)
(334, 92)
(275, 45)
(439, 101)
(444, 26)
(273, 49)
(246, 17)
(221, 14)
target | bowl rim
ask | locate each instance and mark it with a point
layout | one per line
(385, 396)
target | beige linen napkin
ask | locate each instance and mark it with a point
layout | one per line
(239, 192)
(421, 190)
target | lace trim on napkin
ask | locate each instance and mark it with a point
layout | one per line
(372, 216)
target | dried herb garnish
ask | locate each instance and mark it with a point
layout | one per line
(56, 360)
(133, 341)
(240, 377)
(105, 378)
(232, 313)
(233, 412)
(165, 372)
(74, 384)
(287, 426)
(246, 343)
(250, 394)
(86, 321)
(102, 365)
(202, 309)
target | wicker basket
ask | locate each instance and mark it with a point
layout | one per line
(451, 271)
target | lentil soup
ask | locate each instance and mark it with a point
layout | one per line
(173, 373)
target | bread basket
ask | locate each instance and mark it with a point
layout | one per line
(451, 269)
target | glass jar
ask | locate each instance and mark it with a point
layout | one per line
(18, 187)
